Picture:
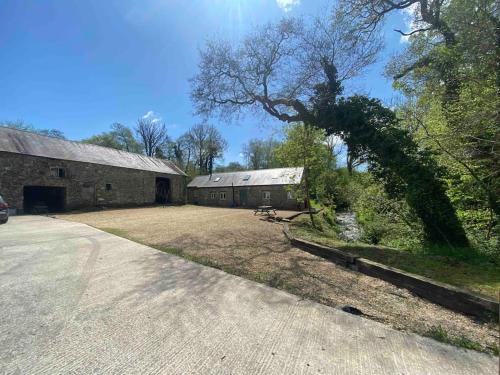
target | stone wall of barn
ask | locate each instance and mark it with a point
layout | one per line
(86, 184)
(256, 196)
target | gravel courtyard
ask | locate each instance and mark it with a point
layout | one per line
(240, 243)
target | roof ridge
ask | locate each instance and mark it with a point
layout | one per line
(249, 170)
(83, 143)
(289, 176)
(101, 153)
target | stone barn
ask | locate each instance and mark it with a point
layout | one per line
(269, 187)
(47, 174)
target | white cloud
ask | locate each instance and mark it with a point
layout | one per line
(287, 5)
(148, 114)
(409, 17)
(152, 116)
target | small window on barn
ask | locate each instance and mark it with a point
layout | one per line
(213, 195)
(109, 187)
(57, 172)
(246, 178)
(217, 179)
(266, 195)
(222, 195)
(289, 195)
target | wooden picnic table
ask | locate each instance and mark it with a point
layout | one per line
(264, 209)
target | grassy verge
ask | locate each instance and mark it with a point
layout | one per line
(438, 333)
(479, 275)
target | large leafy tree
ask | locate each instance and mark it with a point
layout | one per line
(119, 137)
(451, 72)
(276, 68)
(294, 73)
(304, 146)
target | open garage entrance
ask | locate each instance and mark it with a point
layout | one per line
(162, 190)
(43, 199)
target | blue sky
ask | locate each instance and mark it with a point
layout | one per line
(79, 66)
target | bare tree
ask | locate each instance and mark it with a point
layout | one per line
(278, 67)
(215, 147)
(208, 145)
(198, 137)
(183, 150)
(124, 136)
(152, 134)
(21, 125)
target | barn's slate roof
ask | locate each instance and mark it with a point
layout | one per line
(276, 176)
(27, 143)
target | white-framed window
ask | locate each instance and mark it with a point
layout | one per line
(57, 172)
(222, 195)
(266, 195)
(213, 195)
(289, 195)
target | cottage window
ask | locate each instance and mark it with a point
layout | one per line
(213, 195)
(222, 195)
(109, 187)
(57, 172)
(266, 195)
(289, 195)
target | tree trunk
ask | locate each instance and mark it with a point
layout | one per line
(308, 197)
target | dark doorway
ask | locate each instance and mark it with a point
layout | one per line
(162, 190)
(43, 199)
(243, 198)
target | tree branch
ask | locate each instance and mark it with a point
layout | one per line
(413, 32)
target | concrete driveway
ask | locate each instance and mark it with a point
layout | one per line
(74, 299)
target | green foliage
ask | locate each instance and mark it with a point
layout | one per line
(324, 225)
(119, 137)
(304, 146)
(438, 333)
(326, 187)
(383, 220)
(328, 215)
(452, 109)
(371, 132)
(261, 154)
(346, 187)
(233, 166)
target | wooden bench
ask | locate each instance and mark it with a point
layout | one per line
(265, 210)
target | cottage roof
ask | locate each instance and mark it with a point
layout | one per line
(276, 176)
(28, 143)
